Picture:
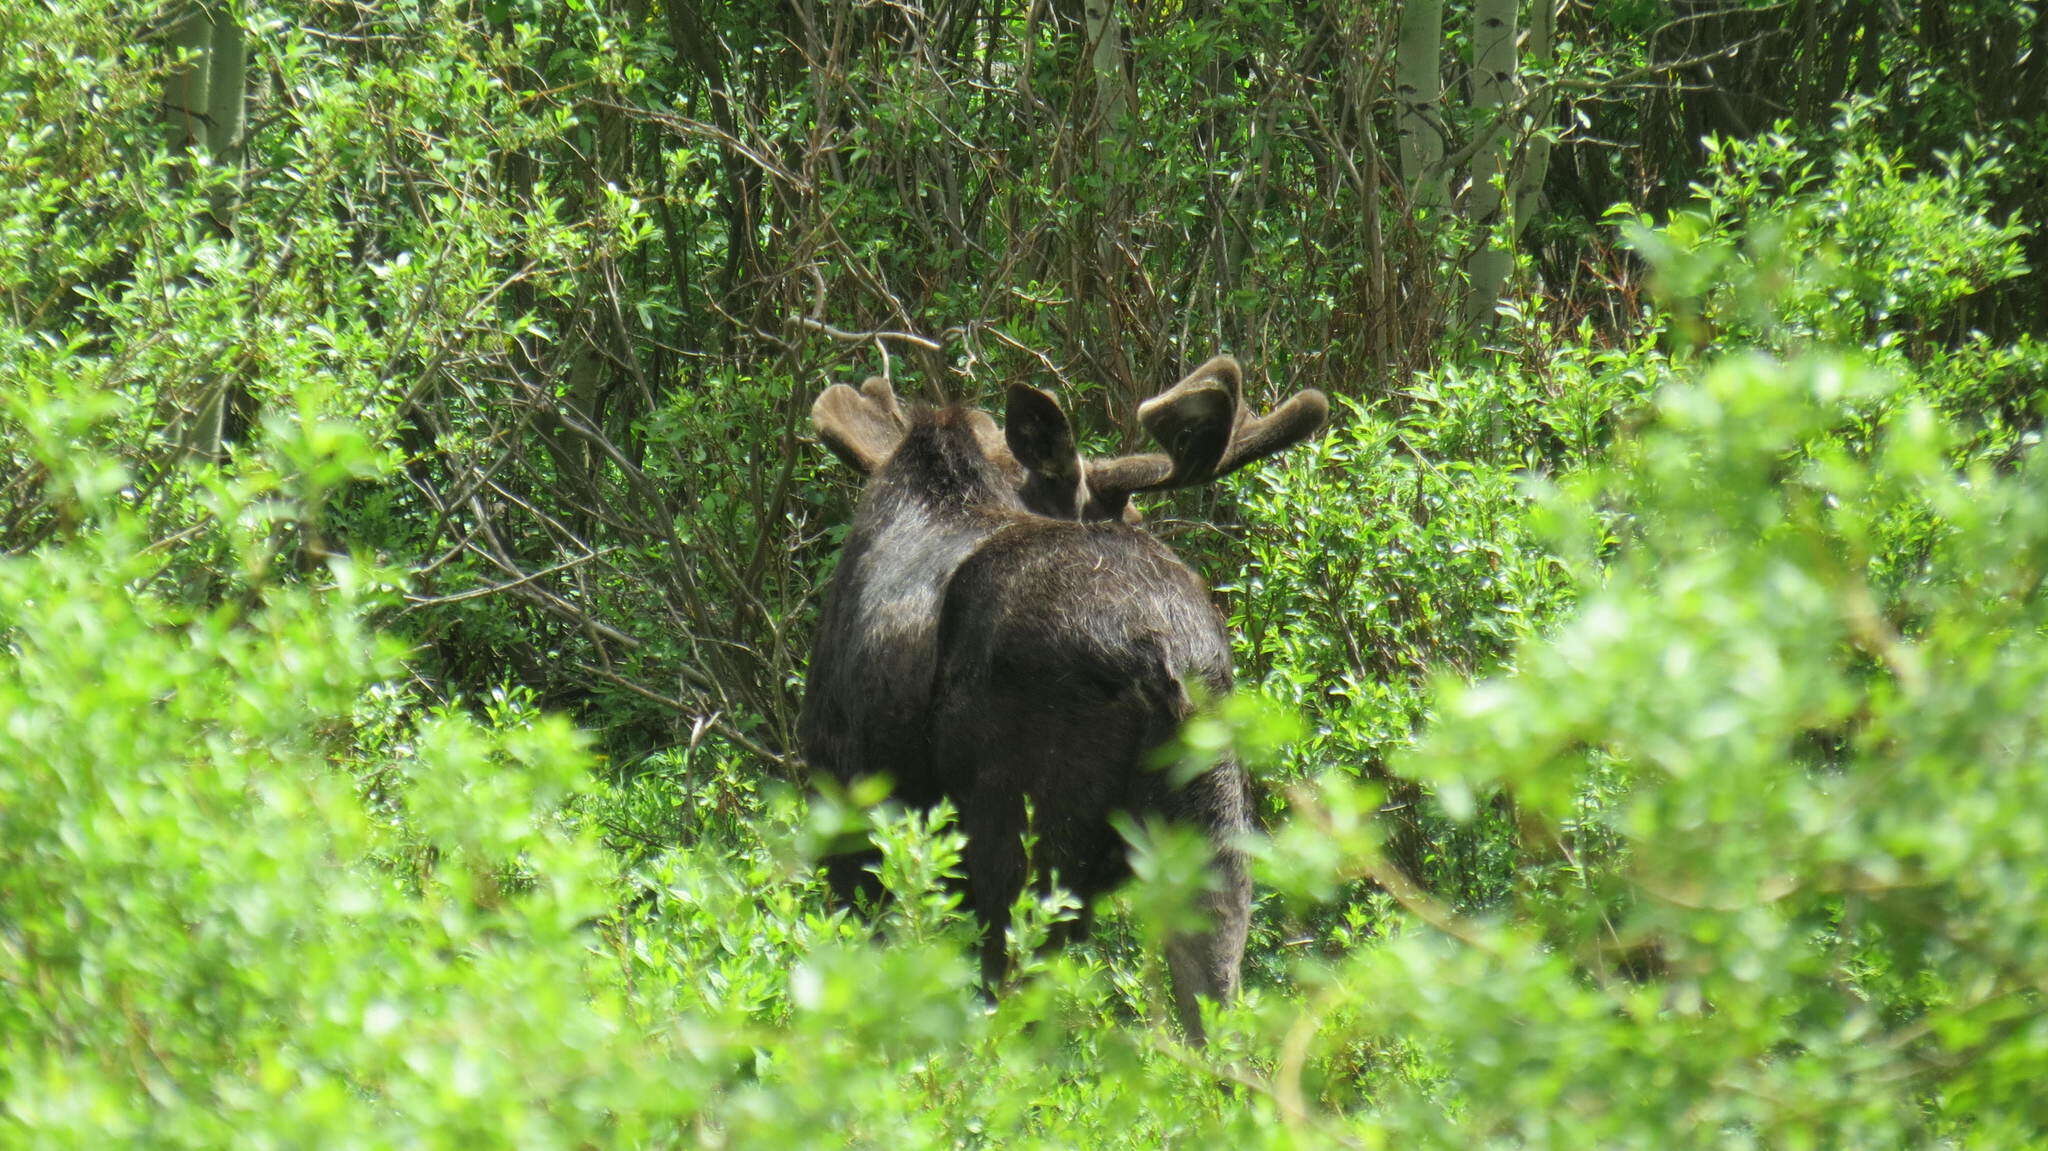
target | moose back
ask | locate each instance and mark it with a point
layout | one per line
(1000, 631)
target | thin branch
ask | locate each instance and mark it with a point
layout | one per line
(414, 602)
(845, 336)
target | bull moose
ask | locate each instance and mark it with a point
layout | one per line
(1000, 631)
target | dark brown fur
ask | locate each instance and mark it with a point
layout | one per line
(979, 648)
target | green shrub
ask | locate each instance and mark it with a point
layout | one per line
(1804, 909)
(1670, 771)
(1856, 248)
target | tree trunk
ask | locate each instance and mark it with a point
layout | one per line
(190, 40)
(1493, 87)
(203, 98)
(227, 67)
(692, 38)
(1109, 123)
(1532, 166)
(1106, 57)
(1418, 98)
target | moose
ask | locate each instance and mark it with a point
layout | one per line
(1001, 631)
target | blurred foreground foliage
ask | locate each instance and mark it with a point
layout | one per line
(1775, 787)
(1645, 711)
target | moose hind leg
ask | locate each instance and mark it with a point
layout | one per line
(996, 865)
(851, 876)
(1204, 964)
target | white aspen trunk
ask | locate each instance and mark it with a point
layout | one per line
(1106, 53)
(1113, 104)
(203, 115)
(227, 67)
(190, 38)
(1418, 96)
(1493, 89)
(1533, 165)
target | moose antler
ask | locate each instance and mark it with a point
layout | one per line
(1202, 422)
(1207, 432)
(862, 427)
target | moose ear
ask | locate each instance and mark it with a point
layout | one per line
(860, 427)
(1042, 440)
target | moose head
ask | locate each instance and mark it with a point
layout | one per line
(999, 632)
(1201, 422)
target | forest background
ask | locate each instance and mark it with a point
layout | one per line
(412, 537)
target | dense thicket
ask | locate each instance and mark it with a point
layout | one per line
(379, 380)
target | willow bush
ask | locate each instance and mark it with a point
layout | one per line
(408, 547)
